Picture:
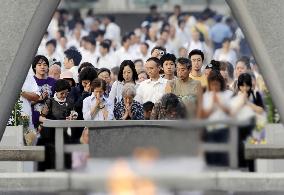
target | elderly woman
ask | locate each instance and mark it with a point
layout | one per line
(128, 108)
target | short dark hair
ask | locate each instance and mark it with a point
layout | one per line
(159, 48)
(245, 60)
(138, 60)
(156, 60)
(148, 106)
(146, 44)
(62, 84)
(91, 40)
(105, 45)
(226, 39)
(132, 67)
(37, 59)
(84, 65)
(52, 42)
(125, 38)
(74, 54)
(196, 52)
(168, 57)
(88, 73)
(98, 83)
(110, 17)
(214, 65)
(184, 61)
(103, 70)
(215, 75)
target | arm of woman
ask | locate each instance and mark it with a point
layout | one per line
(255, 108)
(112, 93)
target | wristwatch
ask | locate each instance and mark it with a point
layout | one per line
(101, 106)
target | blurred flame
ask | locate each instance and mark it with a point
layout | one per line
(123, 181)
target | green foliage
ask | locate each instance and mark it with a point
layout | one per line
(16, 117)
(272, 114)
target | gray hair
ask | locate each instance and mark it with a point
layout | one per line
(129, 89)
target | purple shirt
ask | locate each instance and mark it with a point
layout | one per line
(48, 85)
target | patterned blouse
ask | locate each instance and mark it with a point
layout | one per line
(136, 109)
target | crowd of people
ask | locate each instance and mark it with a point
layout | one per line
(179, 67)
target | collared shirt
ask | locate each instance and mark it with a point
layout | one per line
(149, 90)
(122, 54)
(90, 102)
(106, 61)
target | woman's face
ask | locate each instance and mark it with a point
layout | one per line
(215, 86)
(240, 69)
(61, 95)
(127, 74)
(224, 74)
(128, 99)
(244, 88)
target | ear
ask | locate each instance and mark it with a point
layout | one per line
(71, 61)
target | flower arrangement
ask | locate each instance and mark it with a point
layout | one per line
(19, 118)
(15, 117)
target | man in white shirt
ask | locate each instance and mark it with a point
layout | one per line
(90, 55)
(154, 88)
(105, 60)
(112, 30)
(72, 60)
(30, 92)
(124, 52)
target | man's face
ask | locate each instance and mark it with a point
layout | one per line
(182, 71)
(169, 67)
(196, 61)
(152, 69)
(157, 53)
(68, 63)
(50, 49)
(103, 50)
(41, 67)
(143, 49)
